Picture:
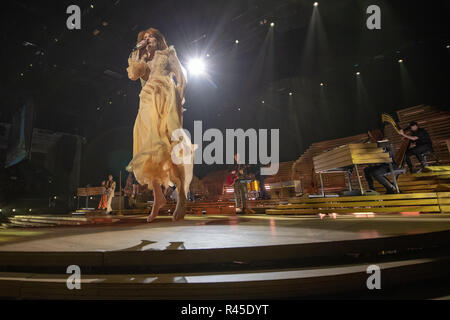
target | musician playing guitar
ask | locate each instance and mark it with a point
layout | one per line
(232, 178)
(237, 178)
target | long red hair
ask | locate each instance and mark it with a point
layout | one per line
(161, 43)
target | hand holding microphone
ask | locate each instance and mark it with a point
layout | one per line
(140, 45)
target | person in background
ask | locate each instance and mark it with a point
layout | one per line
(421, 144)
(239, 173)
(104, 199)
(263, 195)
(110, 189)
(378, 171)
(130, 191)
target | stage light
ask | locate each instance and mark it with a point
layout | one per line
(13, 210)
(55, 197)
(0, 210)
(29, 210)
(272, 24)
(207, 55)
(321, 84)
(237, 41)
(358, 73)
(92, 6)
(448, 46)
(316, 4)
(21, 74)
(400, 61)
(290, 93)
(239, 109)
(196, 66)
(262, 101)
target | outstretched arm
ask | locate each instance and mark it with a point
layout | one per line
(176, 68)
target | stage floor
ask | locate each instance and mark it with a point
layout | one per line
(214, 232)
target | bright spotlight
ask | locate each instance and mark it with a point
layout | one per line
(272, 24)
(196, 66)
(237, 41)
(316, 4)
(400, 61)
(358, 73)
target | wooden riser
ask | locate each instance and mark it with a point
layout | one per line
(49, 217)
(55, 221)
(30, 224)
(416, 202)
(44, 223)
(434, 179)
(249, 284)
(423, 209)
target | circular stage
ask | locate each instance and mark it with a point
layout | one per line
(257, 256)
(214, 232)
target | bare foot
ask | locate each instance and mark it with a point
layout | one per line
(180, 209)
(157, 204)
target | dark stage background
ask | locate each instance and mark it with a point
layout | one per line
(79, 84)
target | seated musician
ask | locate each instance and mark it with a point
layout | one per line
(378, 172)
(422, 144)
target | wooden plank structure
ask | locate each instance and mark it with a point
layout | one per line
(88, 192)
(435, 178)
(282, 185)
(434, 120)
(346, 157)
(431, 202)
(303, 167)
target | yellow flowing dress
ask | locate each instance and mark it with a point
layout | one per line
(160, 113)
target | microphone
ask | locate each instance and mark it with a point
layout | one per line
(140, 45)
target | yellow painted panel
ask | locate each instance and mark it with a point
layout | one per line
(411, 202)
(379, 210)
(368, 198)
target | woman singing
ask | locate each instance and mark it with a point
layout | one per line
(160, 113)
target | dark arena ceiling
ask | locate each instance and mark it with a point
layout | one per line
(79, 82)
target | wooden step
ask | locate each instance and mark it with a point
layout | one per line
(253, 284)
(414, 202)
(30, 224)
